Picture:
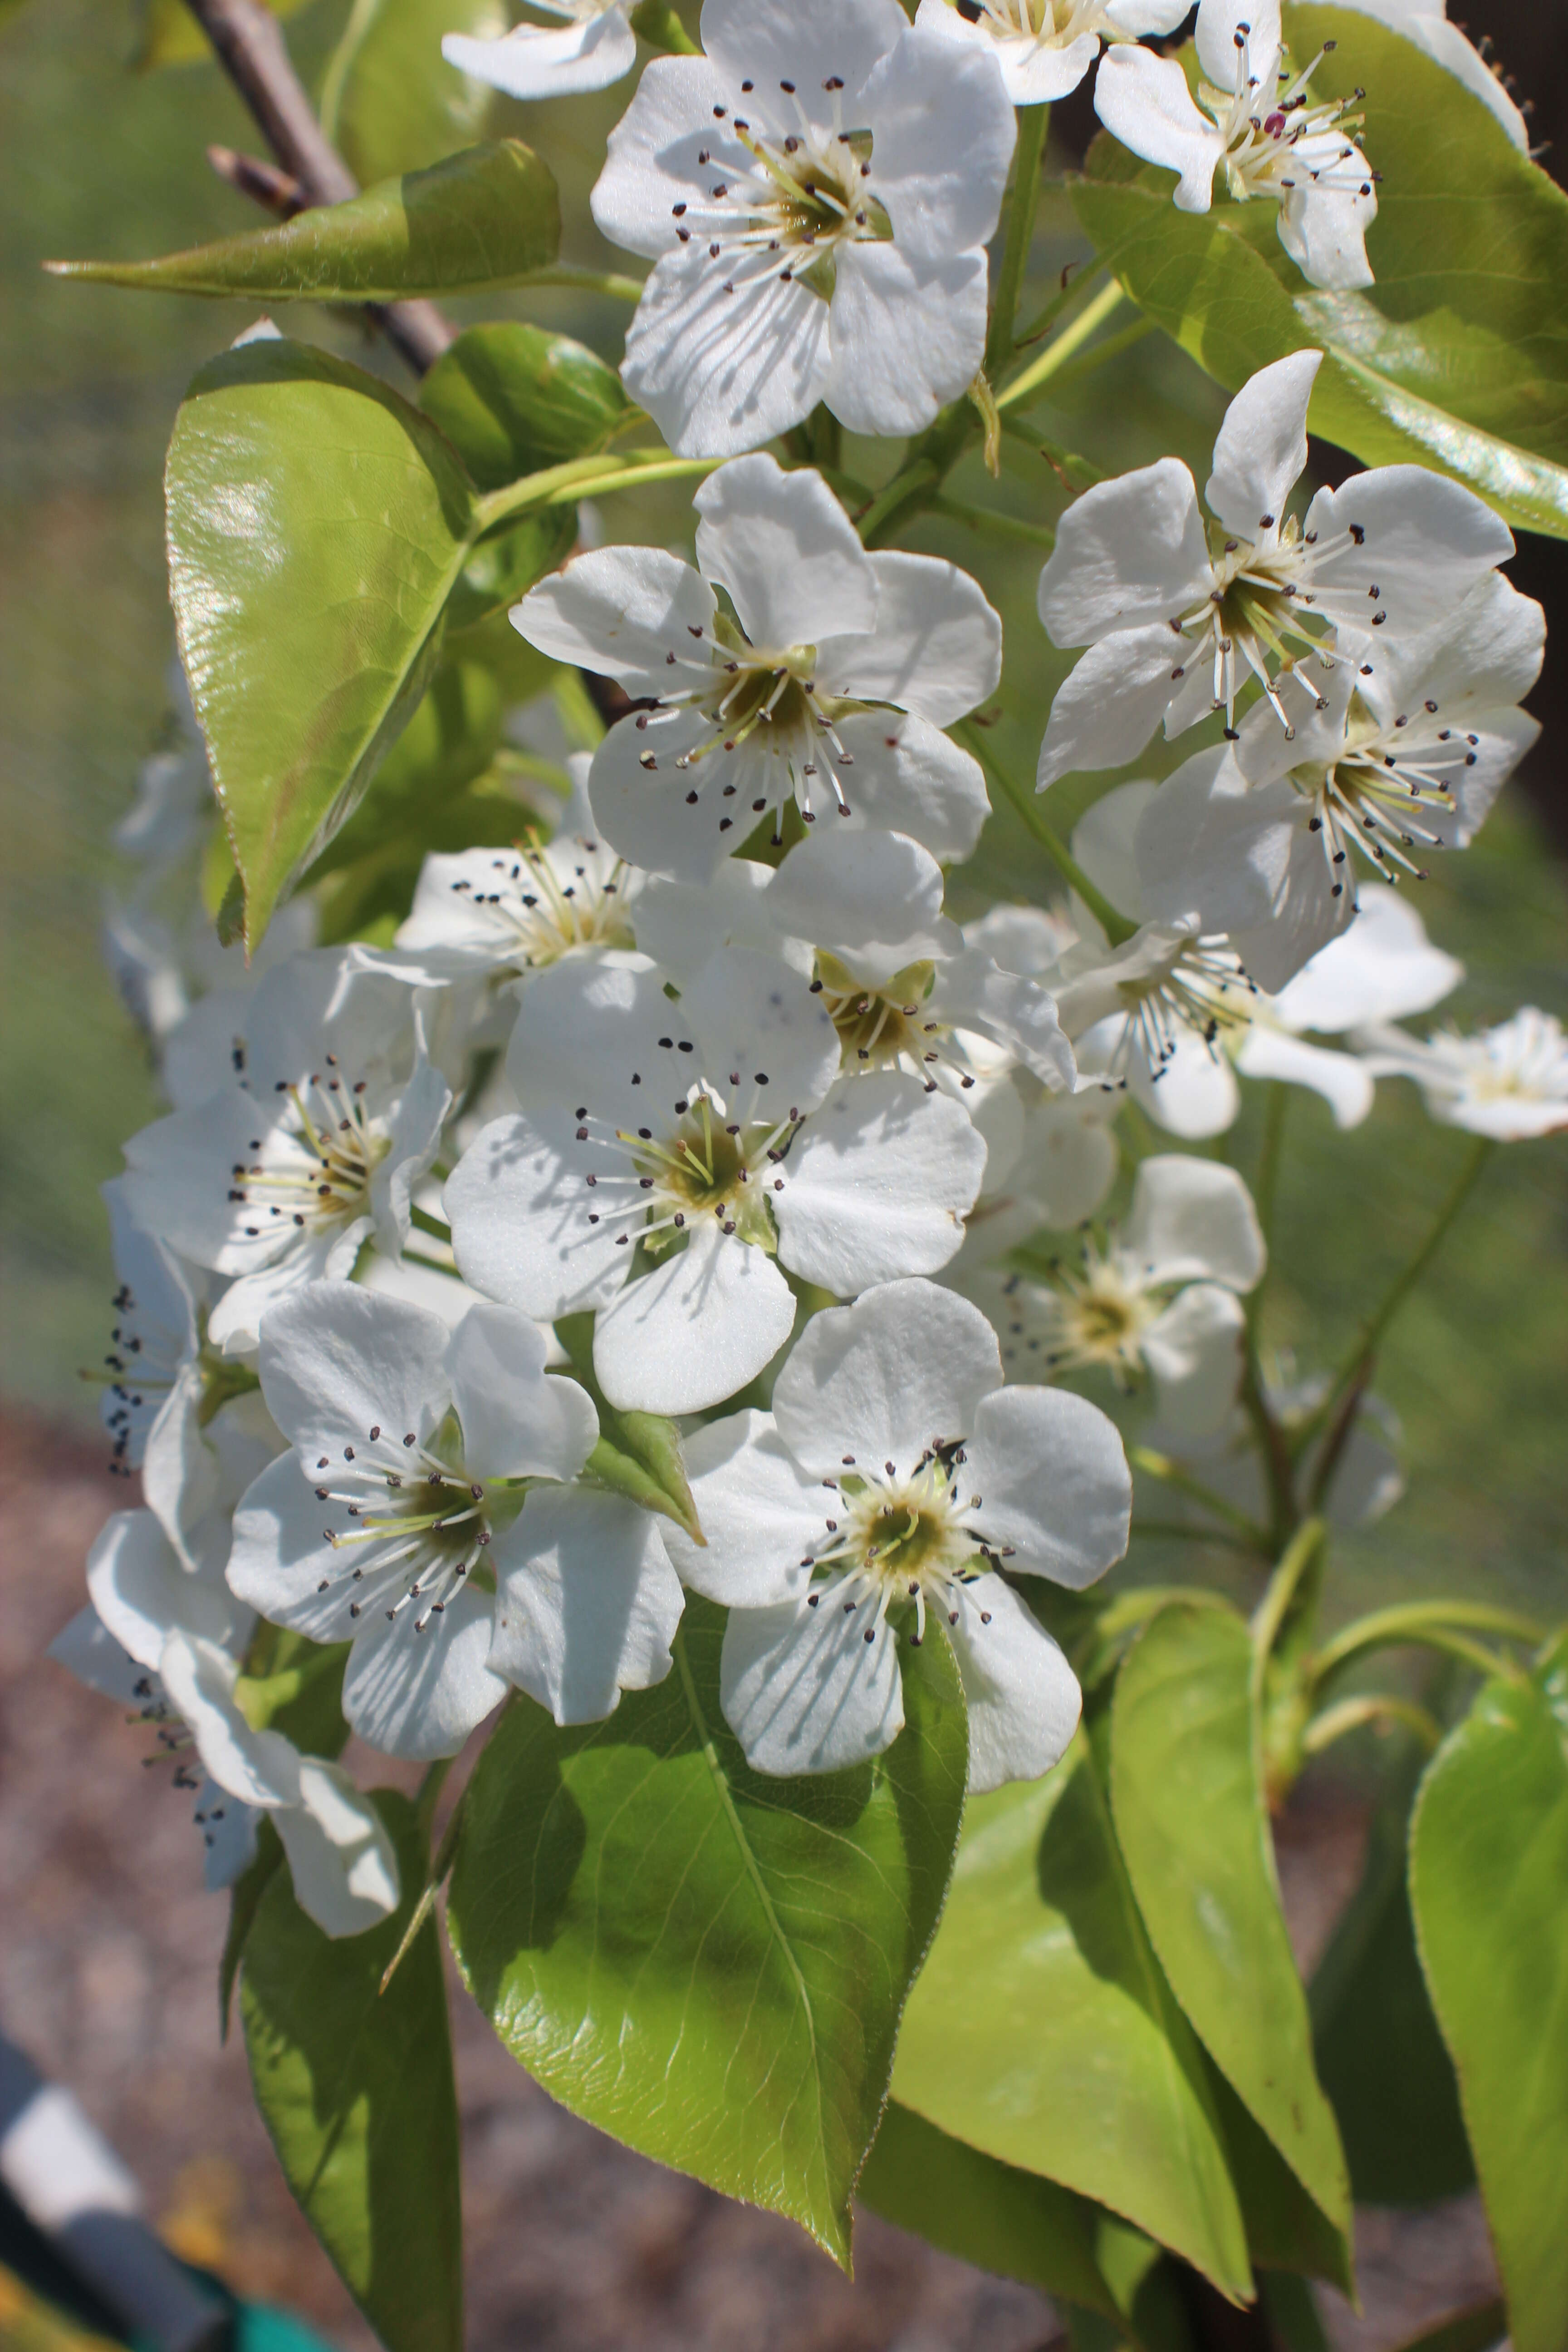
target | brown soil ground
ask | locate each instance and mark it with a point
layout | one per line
(108, 1968)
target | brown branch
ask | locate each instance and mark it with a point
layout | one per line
(279, 191)
(255, 56)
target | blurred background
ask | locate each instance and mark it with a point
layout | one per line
(100, 159)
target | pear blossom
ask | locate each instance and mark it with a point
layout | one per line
(315, 1144)
(428, 1510)
(1179, 615)
(592, 47)
(1425, 21)
(1161, 1296)
(1404, 754)
(830, 692)
(894, 1476)
(154, 1335)
(1509, 1082)
(1045, 47)
(1258, 123)
(670, 1159)
(815, 193)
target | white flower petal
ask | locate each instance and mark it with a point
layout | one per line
(519, 1210)
(1345, 1083)
(621, 610)
(416, 1126)
(787, 553)
(882, 1379)
(234, 1327)
(1382, 969)
(1105, 843)
(1323, 230)
(651, 164)
(907, 778)
(907, 335)
(1015, 1013)
(760, 1511)
(517, 1420)
(1194, 1350)
(879, 1186)
(872, 900)
(281, 1559)
(1220, 21)
(586, 1602)
(1111, 701)
(1194, 1094)
(722, 364)
(420, 1695)
(87, 1649)
(1129, 552)
(1424, 539)
(142, 1593)
(801, 44)
(228, 1827)
(1053, 1482)
(1144, 101)
(1022, 1696)
(341, 1861)
(1192, 1220)
(1261, 449)
(337, 1360)
(804, 1691)
(695, 1330)
(261, 1767)
(942, 194)
(1034, 72)
(936, 648)
(540, 61)
(761, 1034)
(681, 924)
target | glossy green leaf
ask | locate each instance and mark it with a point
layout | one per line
(1457, 357)
(986, 2212)
(504, 568)
(709, 1964)
(1043, 2032)
(1488, 1880)
(447, 746)
(295, 1685)
(639, 1453)
(1284, 2229)
(1185, 1789)
(355, 2088)
(486, 219)
(512, 399)
(169, 36)
(1380, 2055)
(317, 524)
(390, 102)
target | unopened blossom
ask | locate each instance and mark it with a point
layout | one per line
(1509, 1082)
(1179, 613)
(1257, 123)
(590, 46)
(1405, 756)
(1045, 47)
(500, 912)
(1161, 1296)
(670, 1159)
(428, 1512)
(816, 194)
(828, 687)
(332, 1113)
(1425, 21)
(893, 1482)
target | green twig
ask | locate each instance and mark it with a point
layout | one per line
(434, 1226)
(993, 518)
(582, 478)
(1067, 345)
(1116, 926)
(1071, 371)
(445, 1854)
(1380, 1706)
(1298, 1562)
(589, 281)
(1033, 123)
(1183, 1531)
(1181, 1481)
(1417, 1622)
(1273, 1448)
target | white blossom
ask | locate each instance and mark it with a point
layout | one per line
(1509, 1082)
(1425, 21)
(815, 193)
(1405, 755)
(281, 1177)
(1045, 47)
(896, 1476)
(1160, 1296)
(1257, 123)
(428, 1512)
(155, 1334)
(1178, 615)
(594, 47)
(669, 1157)
(831, 691)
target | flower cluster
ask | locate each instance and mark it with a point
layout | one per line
(693, 1118)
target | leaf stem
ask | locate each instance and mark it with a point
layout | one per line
(1417, 1622)
(993, 518)
(1379, 1706)
(582, 477)
(1072, 340)
(1117, 927)
(1182, 1482)
(430, 1225)
(1033, 124)
(1297, 1562)
(591, 281)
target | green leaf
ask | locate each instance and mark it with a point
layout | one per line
(1284, 2229)
(295, 1685)
(481, 220)
(1456, 357)
(512, 399)
(504, 567)
(1187, 1797)
(447, 746)
(986, 2212)
(1043, 2032)
(1476, 2330)
(169, 36)
(244, 1901)
(709, 1964)
(1488, 1876)
(390, 102)
(317, 524)
(356, 2091)
(639, 1453)
(1380, 2055)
